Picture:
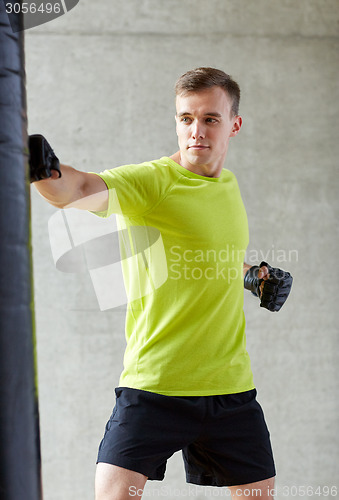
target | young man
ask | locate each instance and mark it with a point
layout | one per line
(187, 382)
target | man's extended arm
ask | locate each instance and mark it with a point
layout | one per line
(61, 185)
(74, 189)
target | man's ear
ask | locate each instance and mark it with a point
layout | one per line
(236, 126)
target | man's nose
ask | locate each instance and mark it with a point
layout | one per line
(198, 130)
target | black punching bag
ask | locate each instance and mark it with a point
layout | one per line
(19, 422)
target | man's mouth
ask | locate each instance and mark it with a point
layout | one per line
(197, 146)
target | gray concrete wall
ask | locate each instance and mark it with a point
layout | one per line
(99, 83)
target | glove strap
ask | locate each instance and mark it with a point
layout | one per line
(251, 280)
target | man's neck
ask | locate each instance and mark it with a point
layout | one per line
(199, 170)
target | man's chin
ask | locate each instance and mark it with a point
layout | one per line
(198, 157)
(195, 164)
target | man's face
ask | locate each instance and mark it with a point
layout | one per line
(205, 124)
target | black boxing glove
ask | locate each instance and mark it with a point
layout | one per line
(276, 287)
(42, 159)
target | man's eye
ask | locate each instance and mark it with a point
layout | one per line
(211, 120)
(185, 119)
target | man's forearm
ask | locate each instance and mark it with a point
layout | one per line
(63, 186)
(64, 190)
(74, 189)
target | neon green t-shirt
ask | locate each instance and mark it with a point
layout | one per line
(183, 238)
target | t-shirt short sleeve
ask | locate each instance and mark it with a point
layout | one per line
(134, 190)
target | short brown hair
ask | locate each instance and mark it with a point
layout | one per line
(205, 78)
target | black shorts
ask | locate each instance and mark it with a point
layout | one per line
(224, 439)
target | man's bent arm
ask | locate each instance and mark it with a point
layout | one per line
(246, 268)
(262, 274)
(263, 271)
(74, 189)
